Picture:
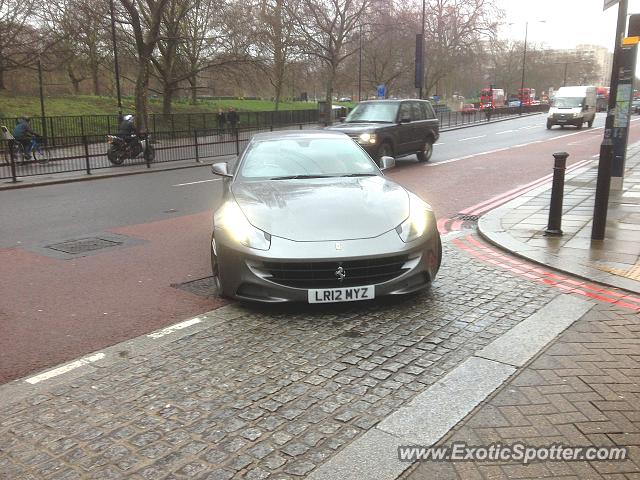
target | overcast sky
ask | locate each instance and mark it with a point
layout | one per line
(567, 22)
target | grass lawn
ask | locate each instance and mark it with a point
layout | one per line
(13, 106)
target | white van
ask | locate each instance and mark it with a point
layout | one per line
(572, 106)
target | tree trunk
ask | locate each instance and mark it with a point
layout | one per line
(167, 98)
(2, 85)
(95, 77)
(142, 92)
(75, 81)
(193, 82)
(329, 97)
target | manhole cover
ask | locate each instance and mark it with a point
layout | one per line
(83, 245)
(465, 217)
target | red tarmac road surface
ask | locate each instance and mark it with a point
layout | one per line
(56, 310)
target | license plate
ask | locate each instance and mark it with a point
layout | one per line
(349, 294)
(562, 120)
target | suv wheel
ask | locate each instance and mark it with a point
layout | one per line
(425, 154)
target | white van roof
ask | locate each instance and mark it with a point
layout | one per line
(577, 91)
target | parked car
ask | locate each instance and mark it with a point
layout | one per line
(513, 103)
(344, 99)
(308, 216)
(393, 128)
(635, 106)
(468, 109)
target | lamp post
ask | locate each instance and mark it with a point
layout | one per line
(422, 50)
(115, 59)
(360, 67)
(524, 61)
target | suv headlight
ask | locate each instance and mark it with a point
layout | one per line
(416, 224)
(231, 219)
(367, 138)
(576, 115)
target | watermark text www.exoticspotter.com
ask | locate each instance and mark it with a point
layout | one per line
(513, 452)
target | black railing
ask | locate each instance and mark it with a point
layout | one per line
(87, 152)
(57, 128)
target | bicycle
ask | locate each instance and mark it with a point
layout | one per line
(39, 152)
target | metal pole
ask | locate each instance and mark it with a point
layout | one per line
(360, 68)
(41, 88)
(564, 82)
(603, 184)
(524, 61)
(422, 50)
(557, 195)
(115, 59)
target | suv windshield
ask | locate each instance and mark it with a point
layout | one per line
(568, 102)
(288, 158)
(373, 112)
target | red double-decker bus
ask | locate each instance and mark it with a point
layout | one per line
(491, 98)
(602, 98)
(526, 96)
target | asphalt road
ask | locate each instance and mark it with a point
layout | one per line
(55, 307)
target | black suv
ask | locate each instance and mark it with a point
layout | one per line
(393, 128)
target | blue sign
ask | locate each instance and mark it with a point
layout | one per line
(382, 91)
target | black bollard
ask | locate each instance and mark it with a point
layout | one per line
(557, 195)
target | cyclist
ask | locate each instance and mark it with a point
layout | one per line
(22, 133)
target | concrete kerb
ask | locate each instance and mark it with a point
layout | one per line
(490, 229)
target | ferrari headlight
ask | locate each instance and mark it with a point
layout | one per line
(231, 219)
(417, 222)
(367, 138)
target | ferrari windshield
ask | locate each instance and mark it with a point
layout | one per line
(373, 112)
(305, 157)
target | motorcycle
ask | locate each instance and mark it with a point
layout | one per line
(120, 149)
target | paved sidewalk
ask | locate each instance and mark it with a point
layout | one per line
(518, 227)
(583, 389)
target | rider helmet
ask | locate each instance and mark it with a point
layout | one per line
(128, 118)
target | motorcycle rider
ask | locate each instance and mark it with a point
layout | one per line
(129, 133)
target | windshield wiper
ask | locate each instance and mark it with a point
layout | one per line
(294, 177)
(360, 175)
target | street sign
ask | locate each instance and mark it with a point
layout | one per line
(609, 3)
(382, 91)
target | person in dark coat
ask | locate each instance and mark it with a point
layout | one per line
(222, 119)
(129, 133)
(233, 118)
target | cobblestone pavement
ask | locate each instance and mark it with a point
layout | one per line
(583, 390)
(270, 393)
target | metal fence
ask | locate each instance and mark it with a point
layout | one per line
(78, 153)
(57, 128)
(89, 152)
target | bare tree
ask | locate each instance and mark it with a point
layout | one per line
(144, 18)
(326, 29)
(276, 41)
(452, 29)
(18, 36)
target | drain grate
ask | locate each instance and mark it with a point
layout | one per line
(466, 217)
(83, 245)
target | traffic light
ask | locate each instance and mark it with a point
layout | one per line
(634, 26)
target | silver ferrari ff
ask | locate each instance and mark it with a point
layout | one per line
(308, 216)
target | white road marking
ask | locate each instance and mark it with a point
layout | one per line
(174, 328)
(506, 131)
(194, 183)
(440, 143)
(64, 368)
(529, 127)
(508, 148)
(471, 138)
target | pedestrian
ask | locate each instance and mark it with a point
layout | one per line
(232, 118)
(222, 119)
